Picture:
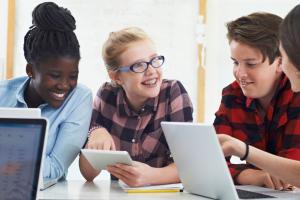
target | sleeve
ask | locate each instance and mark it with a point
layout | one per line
(223, 126)
(70, 138)
(96, 113)
(180, 104)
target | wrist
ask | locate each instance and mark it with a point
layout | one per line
(93, 128)
(239, 148)
(246, 152)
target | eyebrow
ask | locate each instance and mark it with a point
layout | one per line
(58, 71)
(143, 60)
(248, 59)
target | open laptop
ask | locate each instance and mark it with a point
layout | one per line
(27, 113)
(202, 166)
(21, 152)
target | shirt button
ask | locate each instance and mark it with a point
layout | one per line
(143, 109)
(133, 140)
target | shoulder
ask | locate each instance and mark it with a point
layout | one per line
(82, 89)
(171, 86)
(12, 83)
(232, 96)
(232, 89)
(108, 90)
(81, 93)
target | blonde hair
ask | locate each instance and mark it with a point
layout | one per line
(118, 42)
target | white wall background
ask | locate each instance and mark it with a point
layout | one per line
(171, 24)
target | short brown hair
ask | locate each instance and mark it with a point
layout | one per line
(118, 42)
(290, 36)
(259, 30)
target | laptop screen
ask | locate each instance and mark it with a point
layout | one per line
(21, 149)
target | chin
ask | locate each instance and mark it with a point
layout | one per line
(55, 104)
(249, 94)
(152, 94)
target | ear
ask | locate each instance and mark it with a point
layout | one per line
(29, 70)
(278, 62)
(115, 76)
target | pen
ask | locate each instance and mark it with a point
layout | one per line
(154, 191)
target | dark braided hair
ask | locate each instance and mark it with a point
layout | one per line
(51, 34)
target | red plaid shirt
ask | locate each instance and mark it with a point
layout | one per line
(278, 133)
(140, 133)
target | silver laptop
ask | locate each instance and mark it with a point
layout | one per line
(21, 152)
(202, 166)
(28, 113)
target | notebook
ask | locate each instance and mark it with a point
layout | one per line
(202, 166)
(21, 152)
(176, 187)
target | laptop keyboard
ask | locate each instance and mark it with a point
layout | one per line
(244, 194)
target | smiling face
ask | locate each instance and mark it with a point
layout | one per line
(256, 78)
(51, 82)
(139, 86)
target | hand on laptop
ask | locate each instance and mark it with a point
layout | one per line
(100, 139)
(139, 174)
(261, 178)
(231, 146)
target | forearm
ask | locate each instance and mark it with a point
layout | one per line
(52, 169)
(87, 171)
(285, 169)
(165, 175)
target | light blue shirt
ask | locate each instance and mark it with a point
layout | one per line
(67, 125)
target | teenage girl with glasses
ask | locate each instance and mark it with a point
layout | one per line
(127, 112)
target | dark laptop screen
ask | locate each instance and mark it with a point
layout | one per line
(21, 146)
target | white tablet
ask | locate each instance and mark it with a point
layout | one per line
(100, 159)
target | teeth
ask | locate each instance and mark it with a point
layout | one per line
(59, 95)
(244, 83)
(150, 82)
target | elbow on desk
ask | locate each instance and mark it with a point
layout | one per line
(86, 170)
(89, 174)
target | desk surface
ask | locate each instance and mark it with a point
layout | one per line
(108, 190)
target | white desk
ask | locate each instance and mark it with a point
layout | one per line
(107, 190)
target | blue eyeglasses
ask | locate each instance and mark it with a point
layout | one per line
(141, 67)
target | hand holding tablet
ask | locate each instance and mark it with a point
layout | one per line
(100, 159)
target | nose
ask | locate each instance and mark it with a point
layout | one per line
(150, 69)
(240, 72)
(64, 84)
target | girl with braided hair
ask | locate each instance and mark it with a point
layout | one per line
(51, 50)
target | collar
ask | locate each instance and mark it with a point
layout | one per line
(21, 93)
(124, 109)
